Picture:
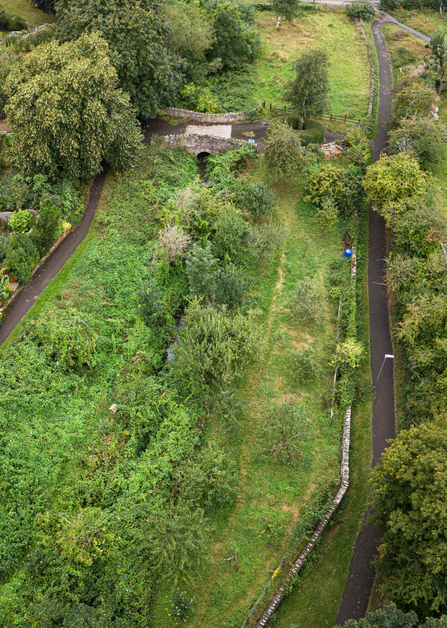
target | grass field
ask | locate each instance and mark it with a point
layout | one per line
(26, 10)
(349, 70)
(424, 20)
(404, 49)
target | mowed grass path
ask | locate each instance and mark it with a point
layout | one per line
(272, 495)
(349, 70)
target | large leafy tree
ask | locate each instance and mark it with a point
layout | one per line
(237, 41)
(67, 112)
(136, 31)
(308, 93)
(393, 617)
(410, 495)
(394, 178)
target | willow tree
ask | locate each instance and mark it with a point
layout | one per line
(67, 112)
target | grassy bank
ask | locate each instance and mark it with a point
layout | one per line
(26, 10)
(425, 21)
(349, 71)
(404, 49)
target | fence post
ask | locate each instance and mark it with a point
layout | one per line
(346, 117)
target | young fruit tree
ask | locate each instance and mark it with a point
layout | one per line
(437, 60)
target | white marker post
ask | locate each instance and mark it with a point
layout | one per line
(387, 355)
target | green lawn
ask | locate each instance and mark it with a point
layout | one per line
(26, 10)
(349, 70)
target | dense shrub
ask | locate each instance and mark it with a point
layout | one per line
(214, 350)
(20, 221)
(200, 268)
(47, 229)
(343, 186)
(362, 10)
(211, 480)
(256, 198)
(285, 155)
(313, 133)
(66, 339)
(21, 257)
(230, 236)
(282, 432)
(4, 241)
(422, 137)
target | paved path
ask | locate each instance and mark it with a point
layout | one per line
(386, 18)
(53, 265)
(361, 571)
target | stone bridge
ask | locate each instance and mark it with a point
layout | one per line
(199, 144)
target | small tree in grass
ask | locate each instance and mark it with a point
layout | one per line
(285, 156)
(327, 214)
(288, 9)
(282, 433)
(437, 61)
(309, 92)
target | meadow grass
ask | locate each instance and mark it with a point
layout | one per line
(26, 10)
(349, 68)
(425, 21)
(404, 49)
(272, 492)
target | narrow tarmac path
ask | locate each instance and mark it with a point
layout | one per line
(53, 265)
(361, 570)
(386, 18)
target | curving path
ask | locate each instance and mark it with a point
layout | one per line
(53, 265)
(361, 574)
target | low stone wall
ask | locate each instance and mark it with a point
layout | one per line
(204, 117)
(371, 65)
(202, 143)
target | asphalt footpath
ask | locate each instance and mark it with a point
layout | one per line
(53, 264)
(361, 575)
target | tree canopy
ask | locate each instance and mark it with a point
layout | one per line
(67, 112)
(136, 32)
(394, 178)
(308, 93)
(410, 495)
(393, 617)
